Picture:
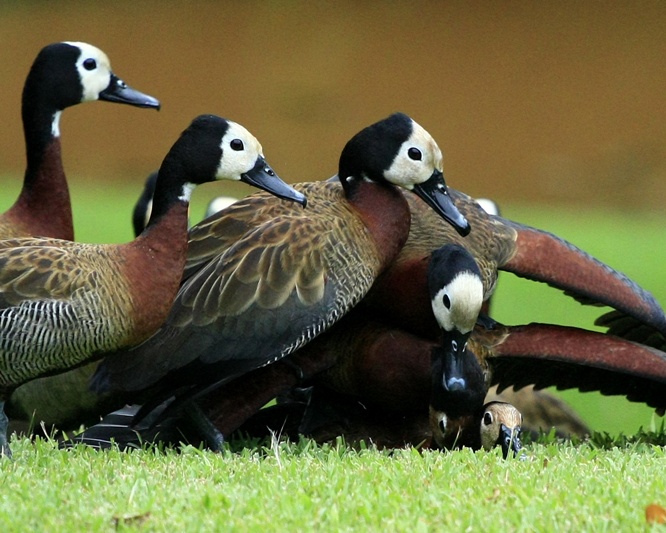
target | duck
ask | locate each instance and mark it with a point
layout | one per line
(398, 295)
(262, 279)
(63, 402)
(62, 75)
(143, 206)
(64, 303)
(499, 244)
(389, 372)
(457, 414)
(500, 426)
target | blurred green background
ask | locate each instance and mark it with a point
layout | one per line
(556, 110)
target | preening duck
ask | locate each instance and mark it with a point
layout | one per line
(62, 75)
(264, 279)
(64, 303)
(498, 244)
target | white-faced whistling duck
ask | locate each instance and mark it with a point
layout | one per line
(63, 303)
(63, 74)
(64, 401)
(500, 244)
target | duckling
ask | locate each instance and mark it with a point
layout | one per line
(62, 75)
(263, 280)
(542, 412)
(64, 303)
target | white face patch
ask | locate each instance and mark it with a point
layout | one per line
(416, 160)
(93, 80)
(457, 305)
(240, 151)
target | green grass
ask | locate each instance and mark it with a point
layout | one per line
(601, 485)
(302, 487)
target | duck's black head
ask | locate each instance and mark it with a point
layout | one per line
(69, 73)
(456, 296)
(398, 151)
(458, 385)
(213, 148)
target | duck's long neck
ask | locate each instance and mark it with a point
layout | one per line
(162, 245)
(385, 213)
(43, 207)
(157, 259)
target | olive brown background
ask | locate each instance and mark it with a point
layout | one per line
(559, 101)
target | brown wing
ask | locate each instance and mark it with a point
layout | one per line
(56, 306)
(35, 269)
(500, 244)
(258, 299)
(546, 355)
(213, 236)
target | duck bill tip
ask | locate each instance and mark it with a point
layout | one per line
(264, 177)
(434, 192)
(509, 442)
(121, 93)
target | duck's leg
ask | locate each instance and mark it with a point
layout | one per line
(203, 426)
(5, 451)
(232, 404)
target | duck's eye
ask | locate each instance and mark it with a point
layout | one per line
(446, 301)
(414, 153)
(236, 145)
(90, 64)
(487, 418)
(454, 346)
(442, 425)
